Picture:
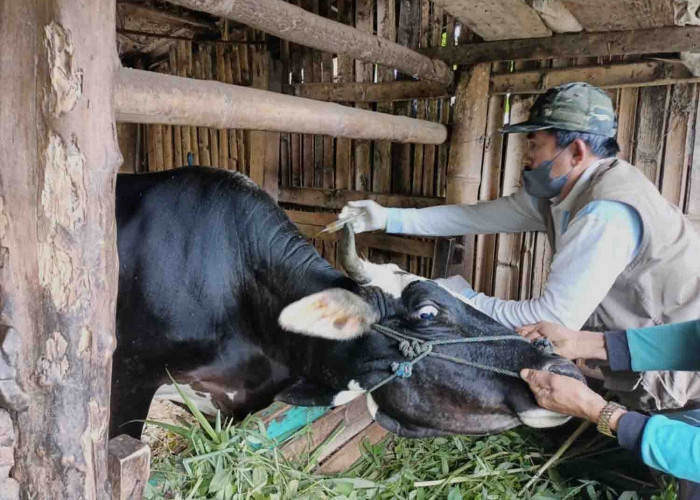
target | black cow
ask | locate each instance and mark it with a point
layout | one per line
(213, 281)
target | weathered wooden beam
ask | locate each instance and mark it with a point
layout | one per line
(646, 41)
(467, 151)
(637, 74)
(336, 199)
(147, 97)
(402, 90)
(497, 19)
(297, 25)
(58, 254)
(129, 467)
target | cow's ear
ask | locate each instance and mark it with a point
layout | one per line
(335, 314)
(304, 393)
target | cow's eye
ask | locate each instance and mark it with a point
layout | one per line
(427, 312)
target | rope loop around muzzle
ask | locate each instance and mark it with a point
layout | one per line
(416, 349)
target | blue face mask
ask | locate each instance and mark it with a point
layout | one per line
(538, 183)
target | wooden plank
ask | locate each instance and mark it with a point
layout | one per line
(429, 157)
(497, 19)
(489, 190)
(604, 15)
(208, 74)
(335, 428)
(272, 139)
(421, 104)
(328, 167)
(445, 118)
(155, 148)
(467, 151)
(386, 28)
(613, 43)
(651, 124)
(337, 198)
(508, 257)
(676, 152)
(222, 134)
(636, 74)
(259, 70)
(343, 145)
(202, 132)
(239, 148)
(349, 453)
(176, 129)
(364, 72)
(626, 120)
(292, 23)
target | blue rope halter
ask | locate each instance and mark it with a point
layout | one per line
(415, 349)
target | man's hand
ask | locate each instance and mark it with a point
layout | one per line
(567, 395)
(368, 215)
(568, 343)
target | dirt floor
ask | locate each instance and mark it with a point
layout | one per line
(160, 440)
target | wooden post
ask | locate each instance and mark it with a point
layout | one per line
(58, 258)
(467, 149)
(364, 72)
(676, 152)
(297, 25)
(147, 97)
(129, 467)
(343, 146)
(651, 126)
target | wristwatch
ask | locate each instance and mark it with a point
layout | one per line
(604, 417)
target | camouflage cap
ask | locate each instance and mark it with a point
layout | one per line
(578, 107)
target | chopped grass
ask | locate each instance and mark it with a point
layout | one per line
(226, 461)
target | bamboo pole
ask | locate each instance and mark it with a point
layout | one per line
(146, 97)
(295, 24)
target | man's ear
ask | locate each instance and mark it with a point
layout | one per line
(304, 393)
(578, 152)
(334, 314)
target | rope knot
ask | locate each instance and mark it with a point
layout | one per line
(403, 369)
(413, 349)
(543, 345)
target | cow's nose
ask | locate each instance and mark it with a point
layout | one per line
(563, 366)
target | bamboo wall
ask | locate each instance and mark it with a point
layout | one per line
(656, 133)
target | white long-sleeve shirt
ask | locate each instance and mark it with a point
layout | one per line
(592, 249)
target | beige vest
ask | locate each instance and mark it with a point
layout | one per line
(661, 285)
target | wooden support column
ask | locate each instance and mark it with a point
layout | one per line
(297, 25)
(147, 97)
(58, 257)
(467, 149)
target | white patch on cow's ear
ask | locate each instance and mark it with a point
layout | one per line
(343, 397)
(541, 418)
(389, 278)
(372, 406)
(334, 314)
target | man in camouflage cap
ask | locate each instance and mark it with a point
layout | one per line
(623, 257)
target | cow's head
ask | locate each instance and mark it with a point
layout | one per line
(441, 396)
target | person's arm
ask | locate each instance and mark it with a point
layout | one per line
(597, 246)
(668, 445)
(663, 347)
(510, 214)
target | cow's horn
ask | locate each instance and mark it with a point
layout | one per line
(349, 259)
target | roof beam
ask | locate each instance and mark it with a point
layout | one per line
(148, 97)
(648, 41)
(637, 74)
(297, 25)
